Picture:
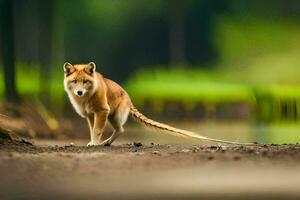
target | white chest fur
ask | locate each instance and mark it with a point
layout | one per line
(81, 105)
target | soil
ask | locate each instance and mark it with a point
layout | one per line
(148, 171)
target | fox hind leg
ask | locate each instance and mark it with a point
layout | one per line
(117, 121)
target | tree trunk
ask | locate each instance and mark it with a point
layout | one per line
(176, 35)
(7, 47)
(45, 43)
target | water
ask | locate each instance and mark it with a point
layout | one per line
(238, 131)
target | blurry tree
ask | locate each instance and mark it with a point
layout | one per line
(200, 20)
(176, 32)
(45, 41)
(121, 36)
(7, 47)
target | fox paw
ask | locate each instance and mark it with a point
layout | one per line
(92, 143)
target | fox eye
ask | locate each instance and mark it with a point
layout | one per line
(74, 81)
(85, 81)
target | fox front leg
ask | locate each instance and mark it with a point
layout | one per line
(90, 120)
(100, 119)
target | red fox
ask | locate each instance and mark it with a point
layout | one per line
(99, 100)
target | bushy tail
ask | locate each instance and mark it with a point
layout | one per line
(172, 130)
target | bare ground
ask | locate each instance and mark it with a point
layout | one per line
(148, 171)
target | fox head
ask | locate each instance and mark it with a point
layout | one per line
(80, 79)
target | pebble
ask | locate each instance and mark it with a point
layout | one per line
(137, 144)
(156, 152)
(185, 150)
(195, 149)
(224, 148)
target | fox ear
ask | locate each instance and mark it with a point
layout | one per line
(68, 68)
(90, 68)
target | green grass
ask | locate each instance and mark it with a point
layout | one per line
(28, 82)
(187, 86)
(206, 86)
(282, 91)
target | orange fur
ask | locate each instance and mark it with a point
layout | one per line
(99, 99)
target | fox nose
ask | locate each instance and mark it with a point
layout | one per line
(79, 93)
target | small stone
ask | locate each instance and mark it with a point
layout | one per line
(156, 152)
(251, 150)
(72, 144)
(214, 147)
(185, 150)
(195, 150)
(137, 144)
(224, 148)
(26, 142)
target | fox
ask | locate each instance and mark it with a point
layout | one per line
(101, 100)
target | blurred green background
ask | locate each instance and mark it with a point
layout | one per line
(215, 61)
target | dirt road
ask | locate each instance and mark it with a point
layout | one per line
(149, 171)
